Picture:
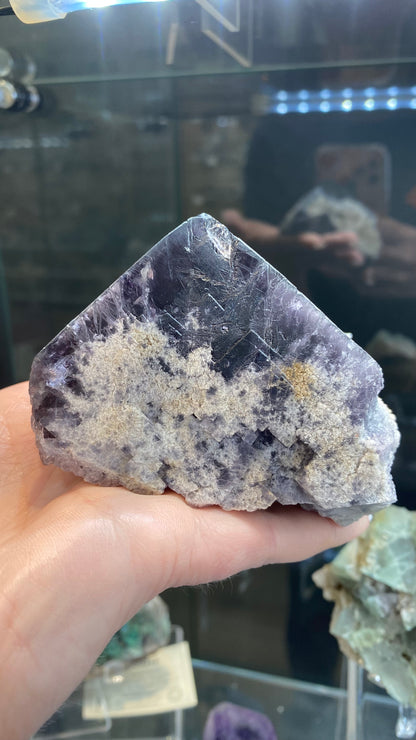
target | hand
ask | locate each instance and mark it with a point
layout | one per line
(394, 273)
(259, 234)
(77, 561)
(250, 230)
(341, 245)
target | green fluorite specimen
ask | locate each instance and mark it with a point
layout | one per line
(148, 630)
(373, 583)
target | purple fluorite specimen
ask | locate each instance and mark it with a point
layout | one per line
(232, 722)
(204, 370)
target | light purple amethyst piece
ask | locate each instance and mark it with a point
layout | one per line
(202, 369)
(232, 722)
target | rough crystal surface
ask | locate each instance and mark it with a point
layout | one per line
(324, 209)
(202, 369)
(373, 583)
(147, 631)
(231, 722)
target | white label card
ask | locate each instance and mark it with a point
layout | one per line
(162, 682)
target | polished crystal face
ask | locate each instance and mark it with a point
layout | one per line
(203, 370)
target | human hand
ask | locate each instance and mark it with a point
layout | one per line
(252, 231)
(77, 561)
(341, 245)
(394, 273)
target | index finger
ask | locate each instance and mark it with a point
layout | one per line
(337, 238)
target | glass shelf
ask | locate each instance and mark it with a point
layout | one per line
(221, 70)
(297, 709)
(134, 42)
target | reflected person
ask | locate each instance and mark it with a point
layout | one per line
(361, 296)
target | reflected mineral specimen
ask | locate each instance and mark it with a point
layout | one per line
(373, 583)
(147, 631)
(325, 209)
(204, 370)
(231, 722)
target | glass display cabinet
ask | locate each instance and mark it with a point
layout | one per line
(116, 124)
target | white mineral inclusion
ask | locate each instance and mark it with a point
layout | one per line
(132, 404)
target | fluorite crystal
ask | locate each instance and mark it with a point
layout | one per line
(147, 631)
(203, 370)
(325, 209)
(373, 583)
(231, 722)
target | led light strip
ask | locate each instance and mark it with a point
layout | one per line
(341, 101)
(39, 11)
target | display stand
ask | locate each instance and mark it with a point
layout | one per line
(362, 702)
(354, 701)
(99, 708)
(230, 26)
(297, 709)
(357, 711)
(68, 722)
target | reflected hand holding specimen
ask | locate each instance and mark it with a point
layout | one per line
(394, 273)
(253, 231)
(341, 245)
